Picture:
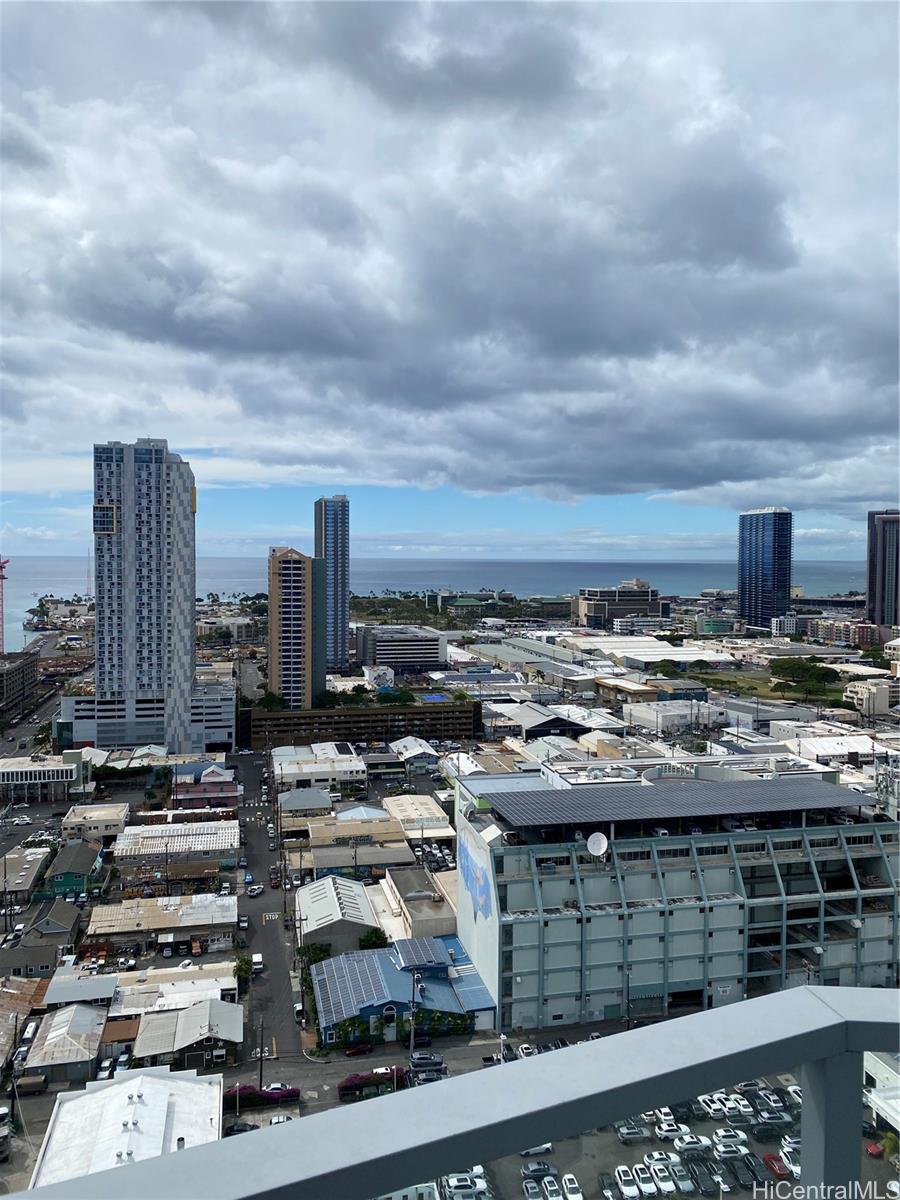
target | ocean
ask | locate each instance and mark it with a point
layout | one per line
(30, 576)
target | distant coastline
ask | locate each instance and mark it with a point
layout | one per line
(29, 576)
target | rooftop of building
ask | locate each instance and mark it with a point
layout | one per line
(332, 899)
(135, 840)
(68, 1035)
(107, 811)
(163, 913)
(135, 1116)
(75, 858)
(173, 1030)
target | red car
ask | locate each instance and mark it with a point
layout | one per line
(359, 1048)
(776, 1165)
(874, 1149)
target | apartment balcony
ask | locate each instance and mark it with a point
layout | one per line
(377, 1146)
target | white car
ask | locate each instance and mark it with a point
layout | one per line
(665, 1184)
(663, 1116)
(791, 1158)
(571, 1188)
(790, 1141)
(185, 963)
(727, 1136)
(662, 1158)
(549, 1187)
(693, 1141)
(464, 1185)
(796, 1093)
(771, 1101)
(743, 1106)
(644, 1180)
(713, 1106)
(538, 1151)
(626, 1183)
(670, 1130)
(725, 1150)
(525, 1051)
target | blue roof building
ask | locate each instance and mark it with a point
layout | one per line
(366, 995)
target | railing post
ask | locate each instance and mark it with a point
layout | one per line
(831, 1124)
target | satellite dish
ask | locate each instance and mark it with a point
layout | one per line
(598, 844)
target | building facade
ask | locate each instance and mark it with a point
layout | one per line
(597, 608)
(882, 569)
(652, 926)
(297, 626)
(404, 648)
(18, 681)
(765, 539)
(144, 507)
(332, 518)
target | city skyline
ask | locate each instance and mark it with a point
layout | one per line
(610, 291)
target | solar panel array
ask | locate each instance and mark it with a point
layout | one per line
(632, 802)
(346, 984)
(420, 952)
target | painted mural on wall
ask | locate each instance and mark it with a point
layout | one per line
(473, 864)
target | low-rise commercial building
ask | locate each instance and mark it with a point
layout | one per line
(163, 989)
(597, 608)
(173, 921)
(672, 716)
(874, 697)
(367, 994)
(198, 849)
(21, 870)
(415, 753)
(420, 817)
(50, 935)
(100, 823)
(320, 765)
(67, 1044)
(202, 785)
(206, 1033)
(17, 999)
(132, 1117)
(43, 777)
(421, 903)
(333, 913)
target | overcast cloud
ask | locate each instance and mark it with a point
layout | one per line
(576, 250)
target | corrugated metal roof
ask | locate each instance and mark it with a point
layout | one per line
(68, 1035)
(589, 803)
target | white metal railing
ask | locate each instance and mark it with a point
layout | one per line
(394, 1141)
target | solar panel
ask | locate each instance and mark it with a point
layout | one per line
(420, 952)
(633, 802)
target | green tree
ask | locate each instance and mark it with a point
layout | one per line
(667, 667)
(359, 689)
(313, 952)
(270, 702)
(375, 939)
(891, 1144)
(397, 696)
(243, 970)
(700, 664)
(460, 694)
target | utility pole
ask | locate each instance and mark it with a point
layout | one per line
(260, 1054)
(412, 1012)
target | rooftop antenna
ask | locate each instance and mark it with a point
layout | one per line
(597, 844)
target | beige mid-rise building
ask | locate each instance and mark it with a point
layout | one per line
(297, 635)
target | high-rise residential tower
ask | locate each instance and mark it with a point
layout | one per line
(297, 625)
(144, 507)
(882, 573)
(333, 545)
(765, 539)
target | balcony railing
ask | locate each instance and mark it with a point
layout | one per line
(388, 1143)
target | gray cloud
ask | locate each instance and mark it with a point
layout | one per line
(568, 249)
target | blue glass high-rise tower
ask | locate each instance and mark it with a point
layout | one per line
(765, 538)
(333, 544)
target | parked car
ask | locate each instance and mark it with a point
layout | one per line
(186, 962)
(248, 877)
(796, 1093)
(609, 1189)
(358, 1048)
(238, 1127)
(682, 1180)
(256, 890)
(644, 1180)
(629, 1133)
(425, 1059)
(280, 1119)
(873, 1150)
(525, 1051)
(626, 1183)
(691, 1141)
(571, 1188)
(714, 1107)
(243, 921)
(537, 1169)
(663, 1158)
(729, 1150)
(549, 1187)
(665, 1184)
(668, 1131)
(531, 1189)
(463, 1186)
(776, 1165)
(535, 1151)
(106, 1069)
(702, 1177)
(728, 1136)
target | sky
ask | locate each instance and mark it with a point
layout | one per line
(522, 280)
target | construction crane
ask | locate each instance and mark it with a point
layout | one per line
(4, 563)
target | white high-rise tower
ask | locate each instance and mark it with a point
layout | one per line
(144, 506)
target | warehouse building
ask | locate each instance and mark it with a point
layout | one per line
(140, 1115)
(183, 850)
(176, 922)
(705, 892)
(67, 1043)
(334, 913)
